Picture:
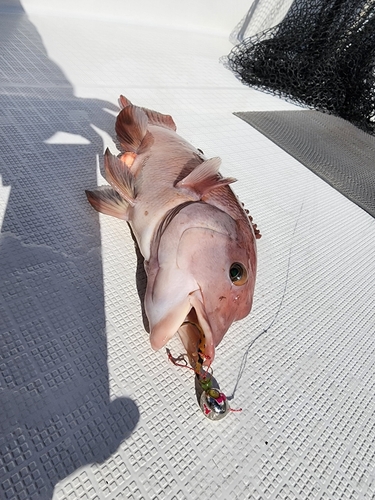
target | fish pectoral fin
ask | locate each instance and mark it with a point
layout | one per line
(154, 117)
(205, 177)
(120, 177)
(131, 129)
(107, 201)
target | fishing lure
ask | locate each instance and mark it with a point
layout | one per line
(213, 403)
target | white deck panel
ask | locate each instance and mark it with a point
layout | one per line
(87, 409)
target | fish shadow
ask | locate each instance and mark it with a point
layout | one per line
(56, 414)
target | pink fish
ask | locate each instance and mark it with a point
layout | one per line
(198, 243)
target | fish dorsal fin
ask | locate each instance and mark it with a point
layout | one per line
(131, 129)
(107, 201)
(154, 117)
(120, 177)
(205, 177)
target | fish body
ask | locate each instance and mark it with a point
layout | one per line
(198, 242)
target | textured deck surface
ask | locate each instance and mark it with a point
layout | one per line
(87, 409)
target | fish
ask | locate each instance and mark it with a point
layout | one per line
(197, 240)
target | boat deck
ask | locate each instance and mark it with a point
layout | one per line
(87, 409)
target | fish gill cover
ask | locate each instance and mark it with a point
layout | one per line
(321, 55)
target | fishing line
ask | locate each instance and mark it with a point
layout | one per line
(246, 353)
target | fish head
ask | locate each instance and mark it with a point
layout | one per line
(202, 279)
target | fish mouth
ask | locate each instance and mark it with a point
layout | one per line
(196, 334)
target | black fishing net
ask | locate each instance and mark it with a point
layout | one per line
(321, 55)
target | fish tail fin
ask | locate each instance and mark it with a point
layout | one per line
(124, 102)
(154, 117)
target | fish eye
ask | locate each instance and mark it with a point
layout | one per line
(238, 274)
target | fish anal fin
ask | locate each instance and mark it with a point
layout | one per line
(205, 177)
(120, 177)
(131, 129)
(107, 201)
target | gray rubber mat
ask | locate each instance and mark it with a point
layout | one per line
(334, 149)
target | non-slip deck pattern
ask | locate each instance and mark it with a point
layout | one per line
(87, 409)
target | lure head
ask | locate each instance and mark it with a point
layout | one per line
(214, 404)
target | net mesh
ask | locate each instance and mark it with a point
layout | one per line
(321, 55)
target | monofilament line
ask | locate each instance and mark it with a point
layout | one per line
(266, 330)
